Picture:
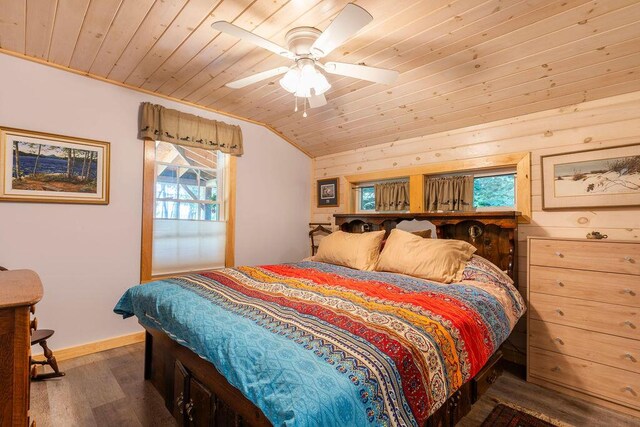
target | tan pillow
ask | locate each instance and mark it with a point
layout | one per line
(354, 250)
(441, 260)
(425, 234)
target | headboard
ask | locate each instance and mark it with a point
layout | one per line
(494, 234)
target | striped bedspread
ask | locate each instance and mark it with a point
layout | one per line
(317, 344)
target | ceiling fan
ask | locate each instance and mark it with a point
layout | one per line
(306, 46)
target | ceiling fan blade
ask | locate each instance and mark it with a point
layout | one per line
(348, 22)
(241, 33)
(316, 101)
(363, 72)
(238, 84)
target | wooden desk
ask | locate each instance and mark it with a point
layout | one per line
(20, 290)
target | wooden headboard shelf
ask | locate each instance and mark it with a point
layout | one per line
(494, 234)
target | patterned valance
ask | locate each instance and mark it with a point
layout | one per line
(392, 196)
(164, 124)
(452, 193)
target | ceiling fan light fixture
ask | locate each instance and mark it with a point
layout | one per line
(291, 80)
(320, 85)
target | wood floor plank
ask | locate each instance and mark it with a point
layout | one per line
(108, 389)
(117, 413)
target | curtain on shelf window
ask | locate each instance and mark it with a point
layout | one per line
(392, 196)
(163, 124)
(452, 193)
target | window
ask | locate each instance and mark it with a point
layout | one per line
(366, 199)
(187, 209)
(494, 191)
(187, 182)
(366, 195)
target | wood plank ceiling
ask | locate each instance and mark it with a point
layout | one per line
(462, 62)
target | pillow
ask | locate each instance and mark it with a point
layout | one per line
(425, 234)
(482, 270)
(441, 260)
(354, 250)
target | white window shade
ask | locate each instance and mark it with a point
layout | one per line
(180, 246)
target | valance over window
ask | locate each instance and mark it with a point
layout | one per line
(164, 124)
(452, 193)
(392, 196)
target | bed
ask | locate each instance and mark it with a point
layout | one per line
(311, 343)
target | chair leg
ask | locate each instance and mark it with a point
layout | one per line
(51, 361)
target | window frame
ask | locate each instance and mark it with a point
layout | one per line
(149, 205)
(521, 161)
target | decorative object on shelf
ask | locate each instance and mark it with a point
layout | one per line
(319, 229)
(602, 177)
(328, 190)
(306, 46)
(47, 168)
(596, 235)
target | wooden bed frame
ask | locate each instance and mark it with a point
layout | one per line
(198, 395)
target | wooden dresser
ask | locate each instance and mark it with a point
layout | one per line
(20, 290)
(583, 320)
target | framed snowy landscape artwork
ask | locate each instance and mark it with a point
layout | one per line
(594, 178)
(47, 168)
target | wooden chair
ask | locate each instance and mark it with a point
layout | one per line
(40, 336)
(319, 229)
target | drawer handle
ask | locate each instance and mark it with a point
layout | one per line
(34, 324)
(629, 259)
(559, 254)
(559, 312)
(180, 403)
(630, 390)
(555, 369)
(189, 409)
(630, 357)
(629, 323)
(559, 282)
(559, 340)
(629, 292)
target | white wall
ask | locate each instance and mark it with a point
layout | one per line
(88, 255)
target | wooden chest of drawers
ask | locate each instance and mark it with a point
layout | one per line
(20, 290)
(583, 322)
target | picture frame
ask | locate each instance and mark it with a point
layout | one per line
(42, 167)
(598, 178)
(328, 191)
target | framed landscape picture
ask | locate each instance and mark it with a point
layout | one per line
(594, 178)
(46, 168)
(328, 191)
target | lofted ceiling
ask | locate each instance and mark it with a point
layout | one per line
(462, 62)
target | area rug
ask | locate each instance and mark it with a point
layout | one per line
(515, 416)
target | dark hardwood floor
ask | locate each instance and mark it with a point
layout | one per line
(107, 389)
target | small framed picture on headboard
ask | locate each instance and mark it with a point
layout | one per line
(328, 191)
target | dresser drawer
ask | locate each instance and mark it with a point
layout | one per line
(615, 257)
(612, 319)
(617, 385)
(590, 285)
(623, 353)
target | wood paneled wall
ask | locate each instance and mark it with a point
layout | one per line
(602, 123)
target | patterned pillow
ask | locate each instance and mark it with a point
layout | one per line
(483, 270)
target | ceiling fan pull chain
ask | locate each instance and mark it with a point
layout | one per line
(296, 109)
(305, 108)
